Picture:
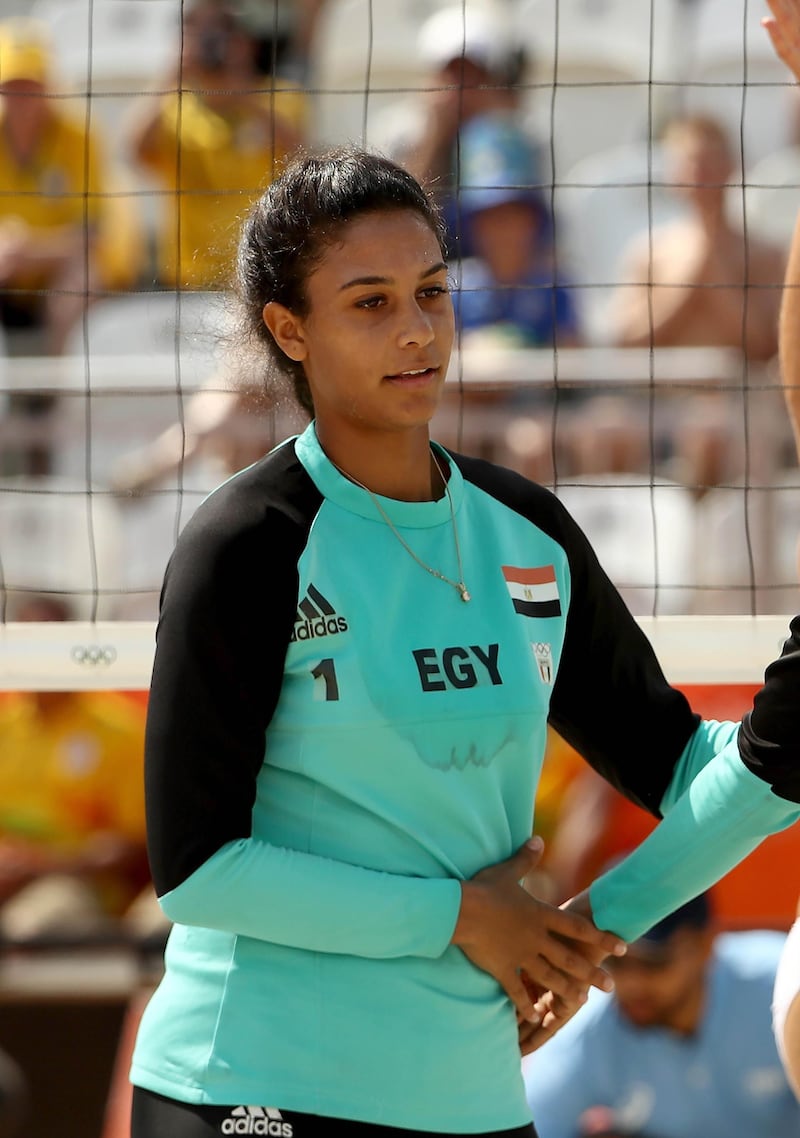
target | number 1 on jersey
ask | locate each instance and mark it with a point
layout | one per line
(326, 671)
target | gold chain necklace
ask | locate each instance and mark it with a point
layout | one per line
(458, 585)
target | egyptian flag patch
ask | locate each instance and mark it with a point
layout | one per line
(534, 592)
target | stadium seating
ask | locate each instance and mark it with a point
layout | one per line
(55, 539)
(643, 534)
(111, 45)
(364, 60)
(589, 69)
(154, 323)
(148, 350)
(750, 536)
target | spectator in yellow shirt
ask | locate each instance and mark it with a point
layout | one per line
(64, 233)
(213, 137)
(72, 852)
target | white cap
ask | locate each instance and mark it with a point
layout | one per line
(464, 31)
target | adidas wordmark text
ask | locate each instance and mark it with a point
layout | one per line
(257, 1120)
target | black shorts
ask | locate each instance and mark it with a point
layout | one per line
(155, 1116)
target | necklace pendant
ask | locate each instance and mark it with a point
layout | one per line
(464, 593)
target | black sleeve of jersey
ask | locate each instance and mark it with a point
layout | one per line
(610, 701)
(227, 608)
(769, 739)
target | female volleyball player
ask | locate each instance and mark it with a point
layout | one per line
(362, 639)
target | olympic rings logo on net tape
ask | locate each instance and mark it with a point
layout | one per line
(94, 655)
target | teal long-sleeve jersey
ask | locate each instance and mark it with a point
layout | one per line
(335, 740)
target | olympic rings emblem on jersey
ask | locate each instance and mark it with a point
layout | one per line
(94, 655)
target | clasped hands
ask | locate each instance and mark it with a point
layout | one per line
(545, 957)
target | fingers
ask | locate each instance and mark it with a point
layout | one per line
(570, 986)
(527, 1037)
(523, 1000)
(506, 931)
(776, 36)
(525, 859)
(516, 867)
(542, 1008)
(566, 967)
(532, 1036)
(783, 28)
(572, 926)
(600, 943)
(553, 1013)
(580, 952)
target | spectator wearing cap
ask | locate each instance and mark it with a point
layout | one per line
(511, 293)
(473, 64)
(213, 137)
(63, 233)
(683, 1048)
(510, 289)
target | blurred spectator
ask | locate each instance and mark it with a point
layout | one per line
(213, 137)
(72, 852)
(283, 31)
(683, 1048)
(700, 281)
(474, 64)
(64, 232)
(511, 292)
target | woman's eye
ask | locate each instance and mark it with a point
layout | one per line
(370, 302)
(435, 290)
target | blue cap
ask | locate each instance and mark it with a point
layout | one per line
(497, 161)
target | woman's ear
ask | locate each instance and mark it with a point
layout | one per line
(286, 329)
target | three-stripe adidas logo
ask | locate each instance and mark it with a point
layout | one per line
(256, 1120)
(316, 616)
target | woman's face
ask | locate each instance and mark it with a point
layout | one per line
(377, 339)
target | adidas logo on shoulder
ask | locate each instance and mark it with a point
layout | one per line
(257, 1120)
(316, 616)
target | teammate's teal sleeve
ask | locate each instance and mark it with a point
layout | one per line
(716, 812)
(722, 815)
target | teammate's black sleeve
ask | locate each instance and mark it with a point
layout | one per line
(769, 740)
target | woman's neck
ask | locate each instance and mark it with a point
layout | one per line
(398, 465)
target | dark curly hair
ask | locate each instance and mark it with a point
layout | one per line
(299, 216)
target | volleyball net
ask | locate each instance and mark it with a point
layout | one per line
(108, 445)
